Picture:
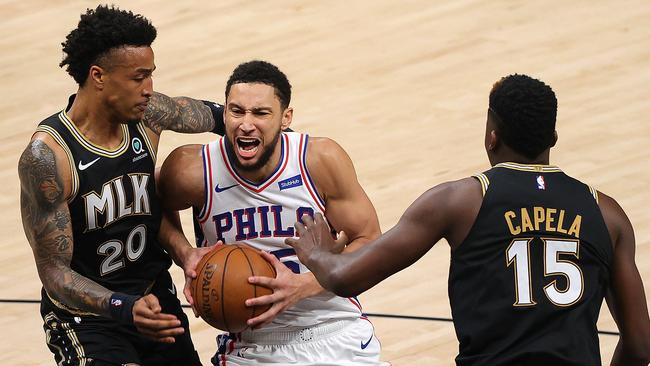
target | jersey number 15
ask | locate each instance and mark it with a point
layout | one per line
(518, 255)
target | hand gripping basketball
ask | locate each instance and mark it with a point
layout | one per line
(221, 286)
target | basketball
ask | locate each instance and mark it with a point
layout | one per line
(221, 286)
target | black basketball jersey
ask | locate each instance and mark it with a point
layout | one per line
(527, 284)
(113, 206)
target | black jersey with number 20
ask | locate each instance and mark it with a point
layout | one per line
(527, 284)
(113, 207)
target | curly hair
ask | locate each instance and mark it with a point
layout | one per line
(99, 31)
(525, 109)
(265, 73)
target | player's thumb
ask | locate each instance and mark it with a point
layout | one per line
(152, 303)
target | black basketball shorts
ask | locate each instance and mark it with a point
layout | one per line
(90, 340)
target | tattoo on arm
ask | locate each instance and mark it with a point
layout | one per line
(180, 114)
(46, 221)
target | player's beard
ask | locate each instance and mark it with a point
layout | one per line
(264, 157)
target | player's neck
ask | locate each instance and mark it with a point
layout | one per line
(94, 120)
(510, 156)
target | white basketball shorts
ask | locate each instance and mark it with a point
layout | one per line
(336, 343)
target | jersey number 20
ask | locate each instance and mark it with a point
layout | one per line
(113, 249)
(518, 254)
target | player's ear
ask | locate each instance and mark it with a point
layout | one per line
(493, 141)
(287, 116)
(96, 76)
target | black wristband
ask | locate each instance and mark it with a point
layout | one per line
(121, 307)
(217, 114)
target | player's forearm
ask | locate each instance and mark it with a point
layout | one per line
(334, 273)
(172, 238)
(631, 356)
(74, 290)
(180, 114)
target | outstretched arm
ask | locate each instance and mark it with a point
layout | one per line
(444, 211)
(182, 114)
(626, 298)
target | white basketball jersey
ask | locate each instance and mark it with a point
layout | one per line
(262, 215)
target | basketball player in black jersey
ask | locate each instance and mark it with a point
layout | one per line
(89, 205)
(534, 251)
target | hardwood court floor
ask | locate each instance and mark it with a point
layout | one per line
(402, 86)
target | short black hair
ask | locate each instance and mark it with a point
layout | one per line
(265, 73)
(525, 109)
(99, 31)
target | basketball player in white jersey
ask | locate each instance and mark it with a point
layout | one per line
(250, 186)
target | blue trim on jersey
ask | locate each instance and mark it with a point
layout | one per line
(281, 253)
(280, 162)
(199, 237)
(205, 183)
(304, 163)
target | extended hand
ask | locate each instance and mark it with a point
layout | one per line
(190, 261)
(315, 237)
(153, 324)
(288, 288)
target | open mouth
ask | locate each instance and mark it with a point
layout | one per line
(247, 146)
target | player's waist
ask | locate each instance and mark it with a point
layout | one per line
(295, 335)
(315, 311)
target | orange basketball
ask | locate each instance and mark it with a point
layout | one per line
(221, 286)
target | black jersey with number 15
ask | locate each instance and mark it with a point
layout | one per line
(113, 206)
(527, 284)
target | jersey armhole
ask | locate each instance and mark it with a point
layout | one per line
(73, 170)
(311, 187)
(143, 131)
(485, 182)
(594, 193)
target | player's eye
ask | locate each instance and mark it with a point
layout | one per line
(237, 112)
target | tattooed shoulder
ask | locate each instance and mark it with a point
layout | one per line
(38, 173)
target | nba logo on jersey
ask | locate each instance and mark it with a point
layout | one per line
(541, 184)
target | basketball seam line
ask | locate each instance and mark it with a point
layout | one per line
(252, 271)
(223, 279)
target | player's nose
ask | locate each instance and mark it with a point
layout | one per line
(247, 124)
(147, 90)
